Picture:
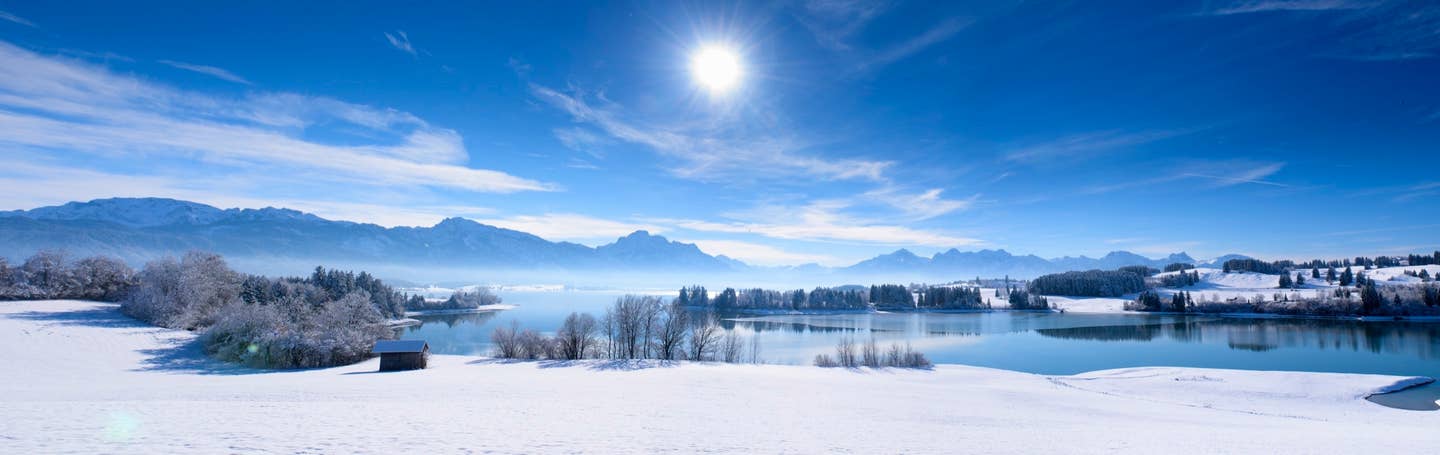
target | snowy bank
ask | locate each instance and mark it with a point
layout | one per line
(479, 309)
(89, 380)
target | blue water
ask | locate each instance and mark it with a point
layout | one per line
(1045, 343)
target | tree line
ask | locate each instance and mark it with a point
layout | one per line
(634, 327)
(890, 297)
(330, 317)
(1090, 283)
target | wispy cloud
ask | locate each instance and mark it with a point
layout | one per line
(934, 35)
(1217, 174)
(1260, 6)
(1253, 175)
(581, 140)
(835, 22)
(1358, 29)
(219, 73)
(920, 206)
(760, 254)
(399, 40)
(520, 68)
(822, 221)
(709, 155)
(1087, 144)
(6, 16)
(50, 103)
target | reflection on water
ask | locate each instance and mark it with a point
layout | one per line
(1047, 343)
(1262, 335)
(451, 320)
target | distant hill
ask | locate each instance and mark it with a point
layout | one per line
(996, 263)
(137, 229)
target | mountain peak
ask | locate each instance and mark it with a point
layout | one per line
(129, 212)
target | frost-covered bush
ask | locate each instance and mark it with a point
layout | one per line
(327, 319)
(184, 294)
(50, 275)
(292, 333)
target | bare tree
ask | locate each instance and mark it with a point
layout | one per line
(870, 354)
(731, 347)
(533, 345)
(670, 335)
(576, 337)
(507, 341)
(845, 352)
(704, 336)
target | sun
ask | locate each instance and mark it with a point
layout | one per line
(717, 68)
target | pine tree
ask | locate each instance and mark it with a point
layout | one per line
(1300, 279)
(1347, 277)
(1370, 299)
(1286, 282)
(1315, 273)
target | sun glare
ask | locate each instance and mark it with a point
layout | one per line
(716, 68)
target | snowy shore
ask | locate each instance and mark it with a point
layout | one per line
(85, 379)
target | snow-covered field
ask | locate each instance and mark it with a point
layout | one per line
(81, 378)
(1217, 285)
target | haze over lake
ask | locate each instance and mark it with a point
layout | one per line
(1045, 343)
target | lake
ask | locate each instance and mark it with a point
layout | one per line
(1044, 343)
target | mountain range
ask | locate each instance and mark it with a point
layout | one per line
(137, 229)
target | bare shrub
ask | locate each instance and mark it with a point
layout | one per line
(824, 361)
(870, 354)
(731, 347)
(845, 353)
(507, 341)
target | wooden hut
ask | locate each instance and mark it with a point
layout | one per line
(399, 355)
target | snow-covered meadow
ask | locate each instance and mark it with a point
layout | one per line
(1216, 285)
(85, 379)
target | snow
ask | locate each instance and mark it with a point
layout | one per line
(1217, 285)
(84, 379)
(478, 309)
(1089, 304)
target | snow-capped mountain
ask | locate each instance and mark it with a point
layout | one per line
(137, 229)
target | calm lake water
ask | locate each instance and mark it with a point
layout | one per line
(1045, 343)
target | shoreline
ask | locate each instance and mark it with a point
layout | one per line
(480, 309)
(112, 384)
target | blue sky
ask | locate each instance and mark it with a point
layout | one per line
(1294, 128)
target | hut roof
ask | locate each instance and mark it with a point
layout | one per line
(391, 346)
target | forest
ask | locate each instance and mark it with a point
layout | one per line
(328, 318)
(883, 297)
(1091, 283)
